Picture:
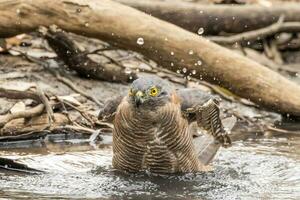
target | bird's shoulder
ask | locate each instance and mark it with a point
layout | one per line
(191, 97)
(107, 113)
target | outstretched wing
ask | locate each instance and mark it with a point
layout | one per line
(107, 113)
(203, 108)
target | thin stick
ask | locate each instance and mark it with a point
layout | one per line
(279, 130)
(83, 113)
(79, 128)
(276, 54)
(45, 101)
(76, 89)
(250, 35)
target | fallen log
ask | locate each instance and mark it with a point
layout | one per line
(78, 60)
(167, 44)
(214, 19)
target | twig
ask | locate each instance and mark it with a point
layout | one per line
(267, 49)
(106, 48)
(76, 89)
(15, 94)
(65, 111)
(45, 101)
(251, 35)
(112, 60)
(276, 54)
(279, 130)
(242, 118)
(37, 110)
(79, 128)
(83, 113)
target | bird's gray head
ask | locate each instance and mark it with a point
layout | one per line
(150, 92)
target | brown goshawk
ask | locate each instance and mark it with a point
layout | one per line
(151, 128)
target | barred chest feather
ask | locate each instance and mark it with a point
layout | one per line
(157, 141)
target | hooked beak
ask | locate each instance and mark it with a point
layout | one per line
(138, 98)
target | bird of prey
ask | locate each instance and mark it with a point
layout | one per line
(151, 128)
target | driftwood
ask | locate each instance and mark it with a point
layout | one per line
(22, 114)
(38, 123)
(258, 34)
(169, 45)
(67, 50)
(216, 18)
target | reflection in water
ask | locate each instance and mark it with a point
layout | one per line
(256, 169)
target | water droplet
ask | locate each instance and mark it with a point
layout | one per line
(248, 43)
(172, 53)
(78, 10)
(178, 71)
(18, 11)
(200, 31)
(233, 18)
(194, 71)
(172, 64)
(191, 52)
(127, 70)
(166, 39)
(130, 77)
(86, 24)
(184, 70)
(188, 78)
(199, 62)
(140, 41)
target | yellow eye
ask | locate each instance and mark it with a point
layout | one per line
(153, 91)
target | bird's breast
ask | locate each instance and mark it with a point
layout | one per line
(157, 142)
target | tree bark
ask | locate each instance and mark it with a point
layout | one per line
(167, 44)
(216, 18)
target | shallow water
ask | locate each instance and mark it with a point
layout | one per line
(252, 169)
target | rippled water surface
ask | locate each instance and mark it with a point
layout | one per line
(255, 169)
